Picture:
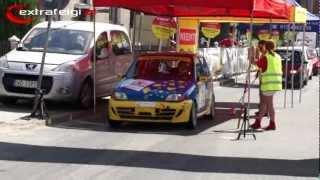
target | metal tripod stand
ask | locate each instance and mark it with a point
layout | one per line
(244, 129)
(39, 110)
(245, 126)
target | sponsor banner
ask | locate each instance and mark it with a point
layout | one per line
(311, 26)
(210, 30)
(163, 28)
(188, 35)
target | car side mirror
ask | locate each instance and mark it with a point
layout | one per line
(14, 42)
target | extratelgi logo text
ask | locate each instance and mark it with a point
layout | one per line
(22, 14)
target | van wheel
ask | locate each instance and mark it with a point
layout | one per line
(192, 123)
(86, 95)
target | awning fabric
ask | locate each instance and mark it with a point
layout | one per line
(310, 16)
(277, 9)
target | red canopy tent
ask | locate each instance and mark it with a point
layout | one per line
(243, 10)
(275, 9)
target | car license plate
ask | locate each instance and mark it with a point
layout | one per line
(146, 104)
(25, 84)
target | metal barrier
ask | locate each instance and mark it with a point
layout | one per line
(227, 62)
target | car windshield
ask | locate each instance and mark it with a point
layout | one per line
(63, 41)
(171, 68)
(284, 55)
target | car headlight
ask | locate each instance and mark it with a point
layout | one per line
(175, 97)
(66, 67)
(120, 96)
(4, 62)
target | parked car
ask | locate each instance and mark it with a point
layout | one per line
(297, 70)
(316, 66)
(164, 87)
(68, 74)
(309, 57)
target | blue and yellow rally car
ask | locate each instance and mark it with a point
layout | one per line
(163, 87)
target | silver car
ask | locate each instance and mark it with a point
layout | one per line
(68, 74)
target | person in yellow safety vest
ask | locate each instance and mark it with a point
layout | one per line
(260, 52)
(271, 82)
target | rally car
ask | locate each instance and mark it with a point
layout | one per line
(164, 87)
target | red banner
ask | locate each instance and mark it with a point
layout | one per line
(187, 36)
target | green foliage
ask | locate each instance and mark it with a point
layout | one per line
(7, 28)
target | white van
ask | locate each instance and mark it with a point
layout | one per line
(68, 74)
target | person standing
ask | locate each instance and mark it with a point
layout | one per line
(260, 53)
(271, 82)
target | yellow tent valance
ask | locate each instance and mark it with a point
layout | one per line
(299, 15)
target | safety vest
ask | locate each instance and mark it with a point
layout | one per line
(271, 79)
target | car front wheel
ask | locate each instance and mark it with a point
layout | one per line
(192, 123)
(114, 124)
(212, 108)
(86, 95)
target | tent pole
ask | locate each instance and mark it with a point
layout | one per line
(236, 48)
(301, 64)
(134, 35)
(292, 66)
(249, 68)
(160, 45)
(270, 28)
(39, 100)
(286, 69)
(94, 62)
(140, 30)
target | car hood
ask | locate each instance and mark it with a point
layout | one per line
(145, 90)
(36, 57)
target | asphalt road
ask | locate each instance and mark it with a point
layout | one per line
(86, 150)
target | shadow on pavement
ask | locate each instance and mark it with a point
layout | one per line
(159, 160)
(25, 106)
(99, 124)
(239, 85)
(242, 85)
